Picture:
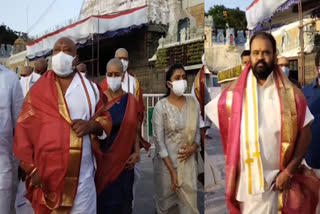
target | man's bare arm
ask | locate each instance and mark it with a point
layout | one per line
(302, 145)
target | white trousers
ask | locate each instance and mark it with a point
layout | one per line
(5, 200)
(5, 182)
(22, 205)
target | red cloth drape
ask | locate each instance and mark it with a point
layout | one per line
(111, 163)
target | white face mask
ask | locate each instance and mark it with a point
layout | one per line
(179, 87)
(285, 70)
(35, 76)
(125, 64)
(114, 83)
(62, 64)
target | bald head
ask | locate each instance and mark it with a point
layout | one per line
(65, 45)
(121, 53)
(283, 61)
(26, 71)
(114, 68)
(116, 64)
(82, 68)
(41, 66)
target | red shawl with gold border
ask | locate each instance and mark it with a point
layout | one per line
(44, 139)
(111, 163)
(138, 95)
(293, 108)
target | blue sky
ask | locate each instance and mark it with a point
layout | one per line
(242, 4)
(13, 13)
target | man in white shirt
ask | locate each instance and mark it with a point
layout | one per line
(60, 167)
(28, 81)
(11, 101)
(265, 130)
(131, 85)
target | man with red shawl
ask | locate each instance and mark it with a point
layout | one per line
(264, 124)
(52, 138)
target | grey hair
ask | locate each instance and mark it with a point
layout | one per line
(119, 50)
(115, 62)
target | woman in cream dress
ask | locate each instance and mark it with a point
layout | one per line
(177, 136)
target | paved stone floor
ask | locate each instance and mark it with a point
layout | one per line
(215, 175)
(144, 203)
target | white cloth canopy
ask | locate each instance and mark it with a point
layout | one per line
(260, 10)
(83, 30)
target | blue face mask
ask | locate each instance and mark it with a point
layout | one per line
(285, 70)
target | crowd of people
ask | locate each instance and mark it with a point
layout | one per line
(78, 143)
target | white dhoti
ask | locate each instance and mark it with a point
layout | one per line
(266, 203)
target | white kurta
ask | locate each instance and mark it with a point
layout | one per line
(27, 82)
(269, 138)
(129, 83)
(85, 201)
(11, 101)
